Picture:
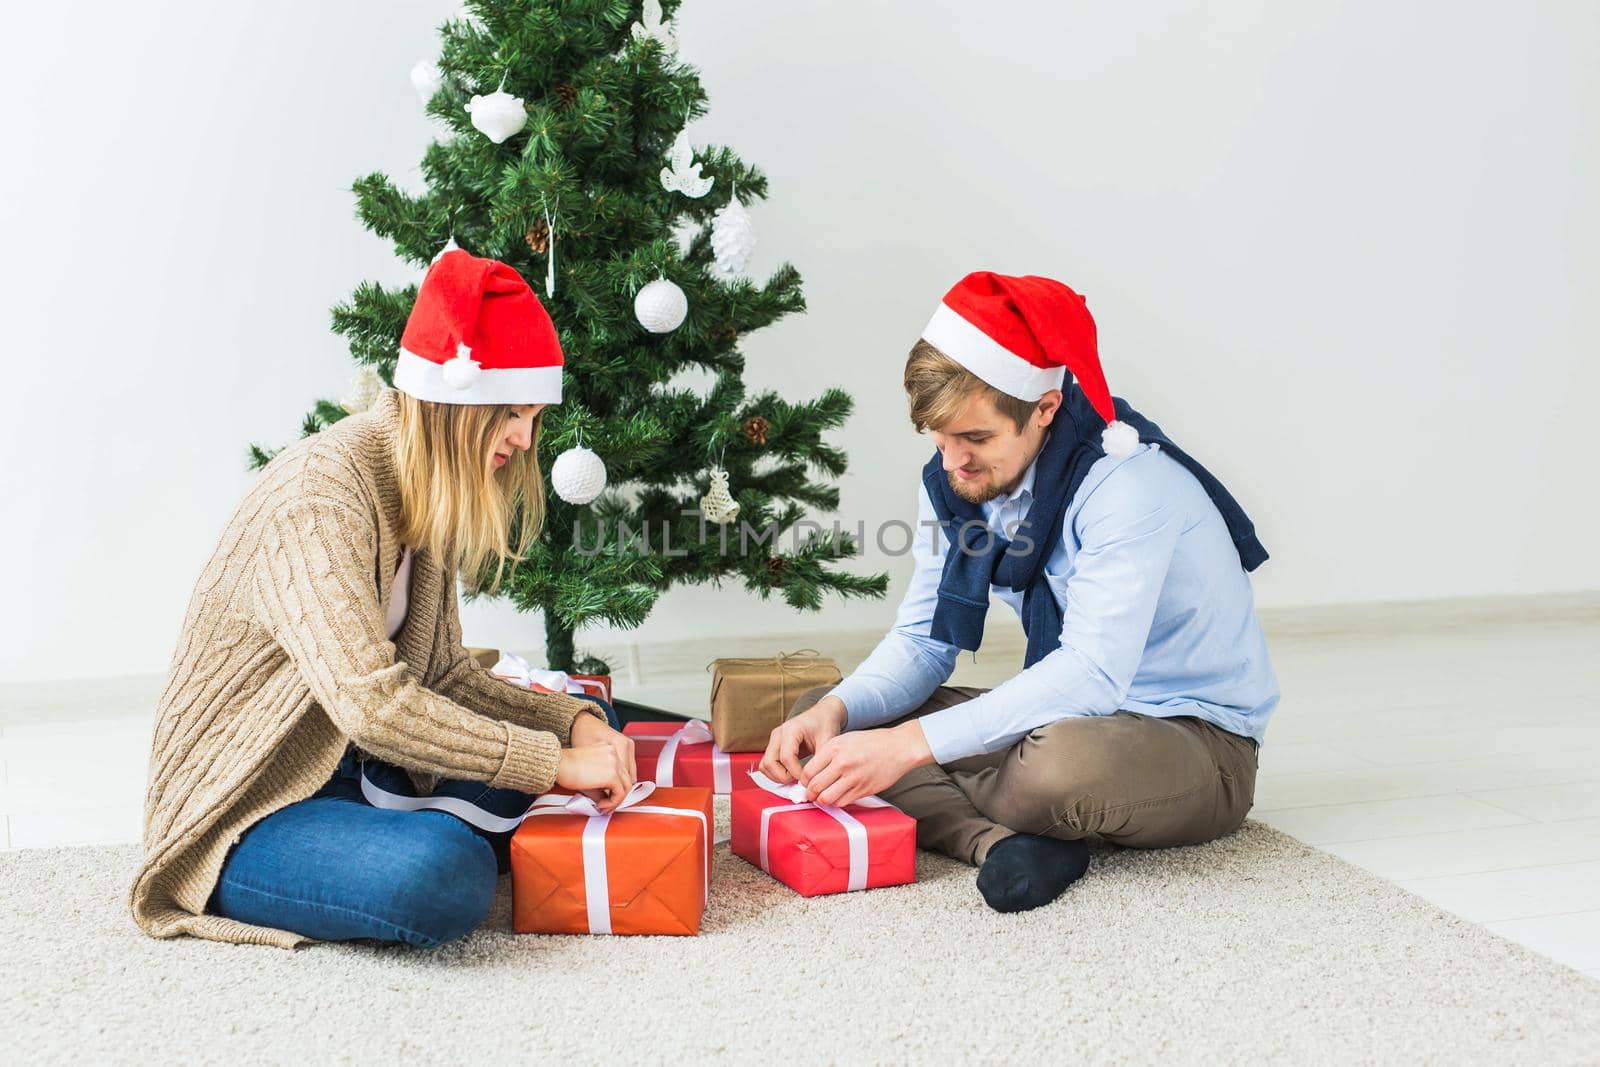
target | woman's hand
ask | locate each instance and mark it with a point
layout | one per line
(590, 729)
(598, 771)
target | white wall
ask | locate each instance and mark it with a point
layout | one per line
(1342, 252)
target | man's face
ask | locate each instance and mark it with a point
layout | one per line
(984, 454)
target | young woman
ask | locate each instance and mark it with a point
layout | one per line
(320, 672)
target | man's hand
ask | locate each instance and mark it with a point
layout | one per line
(801, 736)
(858, 764)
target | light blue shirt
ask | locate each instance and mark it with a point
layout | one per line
(1157, 617)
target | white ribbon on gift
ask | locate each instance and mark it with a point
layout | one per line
(855, 833)
(695, 733)
(464, 810)
(513, 668)
(596, 887)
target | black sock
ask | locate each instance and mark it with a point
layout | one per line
(1025, 870)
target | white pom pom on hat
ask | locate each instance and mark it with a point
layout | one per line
(1119, 439)
(1022, 334)
(461, 370)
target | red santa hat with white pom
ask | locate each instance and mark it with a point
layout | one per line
(478, 335)
(1021, 334)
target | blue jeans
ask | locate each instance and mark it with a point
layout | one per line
(335, 868)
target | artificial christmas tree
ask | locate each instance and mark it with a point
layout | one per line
(593, 165)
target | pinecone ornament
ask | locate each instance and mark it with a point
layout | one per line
(538, 236)
(727, 334)
(755, 430)
(718, 505)
(566, 92)
(733, 238)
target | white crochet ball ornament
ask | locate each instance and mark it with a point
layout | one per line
(498, 115)
(661, 306)
(733, 238)
(462, 371)
(578, 475)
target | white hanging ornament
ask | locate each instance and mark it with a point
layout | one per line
(661, 306)
(364, 389)
(578, 475)
(733, 238)
(426, 79)
(450, 245)
(654, 28)
(550, 268)
(461, 371)
(682, 173)
(718, 505)
(550, 248)
(498, 115)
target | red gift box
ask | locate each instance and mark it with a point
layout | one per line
(516, 670)
(670, 753)
(815, 848)
(595, 685)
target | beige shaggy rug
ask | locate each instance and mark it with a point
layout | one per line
(1250, 949)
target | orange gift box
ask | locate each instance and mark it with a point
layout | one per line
(643, 869)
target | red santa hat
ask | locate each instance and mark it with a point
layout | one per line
(478, 335)
(1021, 334)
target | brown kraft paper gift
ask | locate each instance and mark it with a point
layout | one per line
(751, 697)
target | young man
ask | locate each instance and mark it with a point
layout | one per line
(1146, 686)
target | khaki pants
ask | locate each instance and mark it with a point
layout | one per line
(1125, 778)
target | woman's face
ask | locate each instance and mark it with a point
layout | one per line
(518, 433)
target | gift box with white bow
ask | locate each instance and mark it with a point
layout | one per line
(645, 868)
(516, 670)
(672, 754)
(818, 848)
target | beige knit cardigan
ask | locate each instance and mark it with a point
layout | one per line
(283, 662)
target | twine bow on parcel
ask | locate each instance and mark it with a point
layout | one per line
(781, 661)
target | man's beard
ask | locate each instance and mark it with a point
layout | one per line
(978, 491)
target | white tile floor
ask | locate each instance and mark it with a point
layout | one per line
(1463, 764)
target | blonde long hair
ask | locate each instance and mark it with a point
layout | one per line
(454, 502)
